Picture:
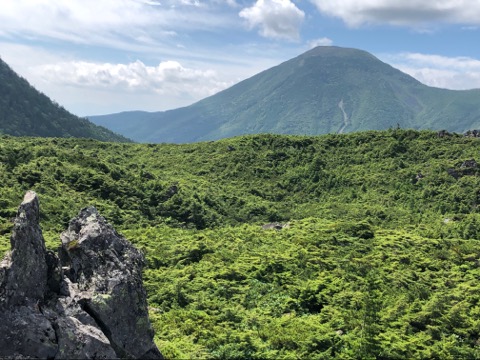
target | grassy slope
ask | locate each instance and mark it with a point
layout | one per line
(369, 265)
(311, 291)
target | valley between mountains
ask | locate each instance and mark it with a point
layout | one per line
(327, 208)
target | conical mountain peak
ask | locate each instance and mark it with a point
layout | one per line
(327, 89)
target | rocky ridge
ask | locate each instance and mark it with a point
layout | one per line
(86, 303)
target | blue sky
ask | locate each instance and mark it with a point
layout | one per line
(105, 56)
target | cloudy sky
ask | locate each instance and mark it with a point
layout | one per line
(105, 56)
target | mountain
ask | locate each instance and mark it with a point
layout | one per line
(24, 111)
(325, 90)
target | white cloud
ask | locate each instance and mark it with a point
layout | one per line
(231, 3)
(168, 77)
(458, 73)
(57, 74)
(459, 62)
(320, 42)
(276, 18)
(407, 12)
(112, 23)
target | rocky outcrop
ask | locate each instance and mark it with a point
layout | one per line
(467, 168)
(88, 302)
(454, 173)
(472, 164)
(443, 133)
(472, 133)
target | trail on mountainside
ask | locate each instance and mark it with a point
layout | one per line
(345, 118)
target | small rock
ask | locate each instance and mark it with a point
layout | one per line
(472, 133)
(275, 226)
(454, 173)
(172, 190)
(469, 164)
(418, 177)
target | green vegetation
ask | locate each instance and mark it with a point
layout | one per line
(302, 96)
(26, 112)
(380, 258)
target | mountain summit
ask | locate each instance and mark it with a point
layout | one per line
(325, 90)
(24, 111)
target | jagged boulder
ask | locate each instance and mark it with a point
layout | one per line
(107, 271)
(25, 269)
(87, 303)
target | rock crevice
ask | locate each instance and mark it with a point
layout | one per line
(86, 303)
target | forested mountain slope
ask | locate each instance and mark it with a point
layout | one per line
(325, 90)
(379, 256)
(24, 111)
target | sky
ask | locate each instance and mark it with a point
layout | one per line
(105, 56)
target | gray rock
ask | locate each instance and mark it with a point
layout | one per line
(26, 280)
(469, 164)
(26, 332)
(108, 272)
(88, 304)
(275, 226)
(79, 341)
(454, 173)
(472, 133)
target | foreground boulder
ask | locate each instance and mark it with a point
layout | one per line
(87, 303)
